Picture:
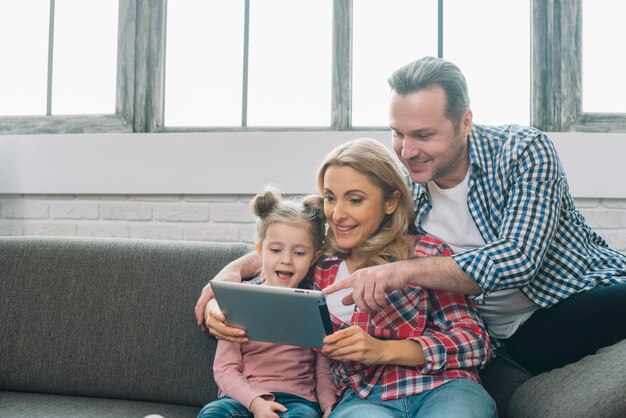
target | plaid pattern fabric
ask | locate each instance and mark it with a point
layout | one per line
(454, 340)
(536, 238)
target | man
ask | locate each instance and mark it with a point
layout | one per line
(547, 286)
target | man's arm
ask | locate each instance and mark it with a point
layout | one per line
(372, 284)
(208, 314)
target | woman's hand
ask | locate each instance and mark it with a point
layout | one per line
(357, 345)
(214, 320)
(327, 412)
(353, 344)
(262, 408)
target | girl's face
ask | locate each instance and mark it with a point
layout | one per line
(287, 253)
(354, 206)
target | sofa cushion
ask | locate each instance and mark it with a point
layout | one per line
(107, 318)
(592, 387)
(19, 405)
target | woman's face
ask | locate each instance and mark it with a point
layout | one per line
(354, 206)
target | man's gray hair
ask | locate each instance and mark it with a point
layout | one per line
(428, 72)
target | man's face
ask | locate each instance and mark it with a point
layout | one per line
(426, 141)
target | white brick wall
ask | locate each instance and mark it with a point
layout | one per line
(223, 218)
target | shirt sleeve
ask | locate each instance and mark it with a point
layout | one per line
(227, 372)
(455, 337)
(325, 388)
(534, 183)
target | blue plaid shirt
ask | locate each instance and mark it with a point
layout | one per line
(520, 201)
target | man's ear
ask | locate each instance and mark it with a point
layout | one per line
(392, 203)
(466, 122)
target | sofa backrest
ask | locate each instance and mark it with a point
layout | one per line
(107, 317)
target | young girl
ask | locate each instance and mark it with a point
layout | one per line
(268, 380)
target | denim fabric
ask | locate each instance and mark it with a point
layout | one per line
(226, 407)
(461, 398)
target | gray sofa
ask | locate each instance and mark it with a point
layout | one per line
(105, 328)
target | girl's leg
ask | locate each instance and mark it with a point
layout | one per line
(462, 398)
(571, 330)
(297, 407)
(224, 407)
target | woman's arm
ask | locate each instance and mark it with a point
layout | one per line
(454, 337)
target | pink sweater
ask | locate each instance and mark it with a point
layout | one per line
(245, 371)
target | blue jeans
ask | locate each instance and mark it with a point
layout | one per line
(226, 407)
(459, 398)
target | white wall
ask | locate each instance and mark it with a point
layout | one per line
(197, 186)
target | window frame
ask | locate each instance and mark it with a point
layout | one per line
(556, 96)
(557, 72)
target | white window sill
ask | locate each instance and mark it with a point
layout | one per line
(239, 163)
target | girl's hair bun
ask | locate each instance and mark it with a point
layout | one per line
(263, 203)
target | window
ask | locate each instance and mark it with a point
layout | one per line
(270, 67)
(603, 32)
(557, 70)
(64, 55)
(334, 58)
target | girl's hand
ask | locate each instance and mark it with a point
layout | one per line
(353, 344)
(215, 322)
(265, 409)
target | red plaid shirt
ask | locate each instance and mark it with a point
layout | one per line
(446, 325)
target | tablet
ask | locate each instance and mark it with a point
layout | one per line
(281, 315)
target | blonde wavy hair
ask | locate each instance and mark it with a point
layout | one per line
(391, 241)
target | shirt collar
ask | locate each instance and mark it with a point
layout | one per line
(477, 149)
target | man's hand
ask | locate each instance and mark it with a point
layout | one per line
(265, 409)
(353, 344)
(370, 286)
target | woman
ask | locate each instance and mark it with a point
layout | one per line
(418, 356)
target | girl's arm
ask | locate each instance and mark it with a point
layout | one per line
(227, 372)
(207, 311)
(325, 388)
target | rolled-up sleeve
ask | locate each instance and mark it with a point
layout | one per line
(454, 337)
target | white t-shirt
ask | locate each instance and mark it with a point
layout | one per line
(451, 221)
(333, 301)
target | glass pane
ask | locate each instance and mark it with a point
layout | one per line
(387, 35)
(204, 63)
(24, 45)
(289, 80)
(85, 57)
(490, 42)
(604, 84)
